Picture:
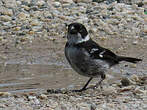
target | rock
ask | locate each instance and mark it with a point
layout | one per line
(57, 4)
(83, 106)
(18, 3)
(139, 91)
(98, 1)
(22, 16)
(26, 7)
(66, 1)
(144, 2)
(135, 42)
(10, 3)
(40, 2)
(134, 78)
(4, 94)
(17, 28)
(27, 2)
(125, 81)
(5, 18)
(6, 11)
(43, 96)
(31, 32)
(109, 90)
(35, 22)
(126, 89)
(145, 29)
(85, 1)
(133, 65)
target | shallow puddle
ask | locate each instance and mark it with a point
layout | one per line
(41, 65)
(40, 77)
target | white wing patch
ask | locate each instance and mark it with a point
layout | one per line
(101, 54)
(93, 50)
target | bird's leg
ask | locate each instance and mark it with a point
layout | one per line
(84, 88)
(103, 76)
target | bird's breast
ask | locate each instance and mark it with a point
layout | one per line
(82, 63)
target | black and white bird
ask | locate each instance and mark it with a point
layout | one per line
(88, 58)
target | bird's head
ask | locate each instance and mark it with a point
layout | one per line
(77, 33)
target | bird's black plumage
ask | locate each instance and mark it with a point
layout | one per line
(88, 58)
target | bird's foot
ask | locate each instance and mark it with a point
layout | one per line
(80, 90)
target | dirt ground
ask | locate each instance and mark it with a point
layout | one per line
(41, 65)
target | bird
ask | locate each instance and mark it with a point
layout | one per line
(87, 57)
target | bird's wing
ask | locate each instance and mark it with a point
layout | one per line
(97, 52)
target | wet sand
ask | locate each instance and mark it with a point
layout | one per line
(41, 65)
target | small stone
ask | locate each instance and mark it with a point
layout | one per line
(26, 7)
(35, 23)
(17, 28)
(22, 16)
(40, 2)
(43, 96)
(134, 78)
(133, 65)
(139, 91)
(109, 90)
(145, 29)
(103, 38)
(57, 4)
(125, 40)
(84, 1)
(18, 2)
(23, 39)
(125, 81)
(66, 1)
(5, 18)
(6, 11)
(10, 3)
(83, 106)
(125, 89)
(4, 94)
(135, 42)
(144, 1)
(1, 38)
(31, 32)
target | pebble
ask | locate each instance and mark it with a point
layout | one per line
(35, 23)
(133, 65)
(145, 29)
(57, 4)
(139, 91)
(10, 3)
(109, 90)
(43, 96)
(6, 11)
(40, 2)
(66, 1)
(23, 16)
(5, 18)
(4, 94)
(134, 78)
(17, 28)
(125, 81)
(144, 2)
(135, 42)
(125, 89)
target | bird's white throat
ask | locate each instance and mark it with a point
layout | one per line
(81, 40)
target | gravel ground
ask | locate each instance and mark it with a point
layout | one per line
(22, 21)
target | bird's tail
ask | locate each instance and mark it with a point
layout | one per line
(129, 59)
